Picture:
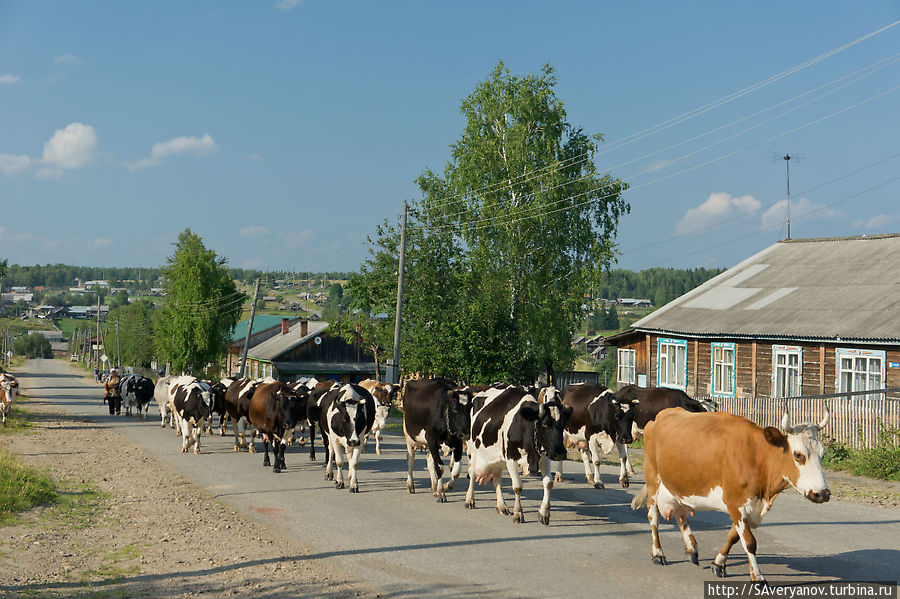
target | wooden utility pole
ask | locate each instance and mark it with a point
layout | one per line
(98, 331)
(249, 329)
(399, 314)
(118, 354)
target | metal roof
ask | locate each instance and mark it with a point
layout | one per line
(840, 289)
(271, 349)
(261, 322)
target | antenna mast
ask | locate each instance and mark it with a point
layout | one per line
(787, 164)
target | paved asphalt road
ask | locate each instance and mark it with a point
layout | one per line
(407, 545)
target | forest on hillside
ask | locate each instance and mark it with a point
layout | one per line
(659, 285)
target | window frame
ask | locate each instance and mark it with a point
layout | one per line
(855, 354)
(676, 343)
(620, 366)
(788, 351)
(712, 369)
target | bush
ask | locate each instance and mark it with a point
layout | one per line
(33, 345)
(21, 488)
(881, 461)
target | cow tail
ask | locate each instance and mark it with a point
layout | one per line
(640, 500)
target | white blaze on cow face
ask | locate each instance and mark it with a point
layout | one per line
(807, 451)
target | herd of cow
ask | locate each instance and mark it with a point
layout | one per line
(695, 458)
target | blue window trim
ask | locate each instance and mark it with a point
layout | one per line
(682, 342)
(712, 369)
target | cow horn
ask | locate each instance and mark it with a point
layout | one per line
(825, 417)
(541, 410)
(785, 419)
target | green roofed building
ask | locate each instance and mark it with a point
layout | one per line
(265, 327)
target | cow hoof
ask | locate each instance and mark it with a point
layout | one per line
(312, 458)
(251, 449)
(450, 485)
(339, 485)
(237, 448)
(661, 560)
(545, 520)
(631, 472)
(624, 482)
(377, 452)
(718, 570)
(470, 505)
(276, 470)
(503, 511)
(694, 559)
(442, 498)
(329, 476)
(411, 489)
(519, 518)
(599, 485)
(354, 489)
(558, 478)
(196, 452)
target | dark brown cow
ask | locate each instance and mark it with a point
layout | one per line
(275, 410)
(597, 415)
(718, 461)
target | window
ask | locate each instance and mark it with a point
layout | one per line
(671, 368)
(626, 366)
(787, 363)
(860, 370)
(723, 369)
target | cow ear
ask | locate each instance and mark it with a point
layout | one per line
(530, 410)
(774, 436)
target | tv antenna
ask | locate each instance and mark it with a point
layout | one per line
(787, 164)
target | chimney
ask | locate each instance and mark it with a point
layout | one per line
(304, 328)
(285, 325)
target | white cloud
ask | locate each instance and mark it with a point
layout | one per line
(717, 207)
(800, 208)
(100, 242)
(252, 231)
(9, 79)
(876, 222)
(70, 148)
(198, 146)
(254, 156)
(256, 262)
(295, 239)
(12, 163)
(288, 5)
(66, 59)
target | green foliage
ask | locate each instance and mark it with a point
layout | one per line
(659, 285)
(21, 488)
(194, 327)
(880, 461)
(334, 304)
(33, 345)
(607, 370)
(136, 323)
(503, 246)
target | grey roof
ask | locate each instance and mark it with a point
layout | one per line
(841, 289)
(272, 348)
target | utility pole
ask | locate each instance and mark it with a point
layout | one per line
(399, 314)
(118, 355)
(98, 331)
(787, 164)
(249, 329)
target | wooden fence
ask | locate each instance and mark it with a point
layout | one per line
(857, 419)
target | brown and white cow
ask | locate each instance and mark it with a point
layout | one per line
(275, 409)
(9, 392)
(718, 461)
(384, 395)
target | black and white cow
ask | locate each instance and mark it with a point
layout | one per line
(238, 394)
(345, 418)
(190, 403)
(136, 392)
(9, 392)
(510, 431)
(436, 416)
(599, 421)
(314, 411)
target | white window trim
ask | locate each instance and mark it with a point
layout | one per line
(712, 369)
(847, 352)
(789, 349)
(633, 354)
(660, 341)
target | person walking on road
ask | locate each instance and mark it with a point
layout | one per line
(112, 393)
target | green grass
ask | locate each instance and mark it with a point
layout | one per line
(17, 420)
(78, 506)
(68, 325)
(881, 461)
(21, 488)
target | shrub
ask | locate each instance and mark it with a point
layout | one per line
(882, 460)
(21, 488)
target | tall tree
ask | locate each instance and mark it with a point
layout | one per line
(203, 305)
(502, 247)
(136, 322)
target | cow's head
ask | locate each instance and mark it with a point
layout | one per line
(805, 474)
(627, 394)
(351, 415)
(456, 411)
(549, 394)
(10, 387)
(549, 420)
(618, 416)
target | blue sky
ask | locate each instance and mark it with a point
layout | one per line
(282, 132)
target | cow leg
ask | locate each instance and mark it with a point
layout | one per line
(377, 435)
(513, 467)
(594, 447)
(636, 433)
(455, 466)
(432, 458)
(282, 446)
(501, 505)
(265, 441)
(198, 430)
(559, 471)
(329, 460)
(749, 543)
(353, 466)
(690, 543)
(251, 447)
(547, 481)
(185, 433)
(276, 454)
(312, 442)
(238, 430)
(337, 457)
(588, 474)
(623, 459)
(718, 565)
(470, 493)
(656, 552)
(410, 462)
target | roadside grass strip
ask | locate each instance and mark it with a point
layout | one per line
(880, 461)
(21, 488)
